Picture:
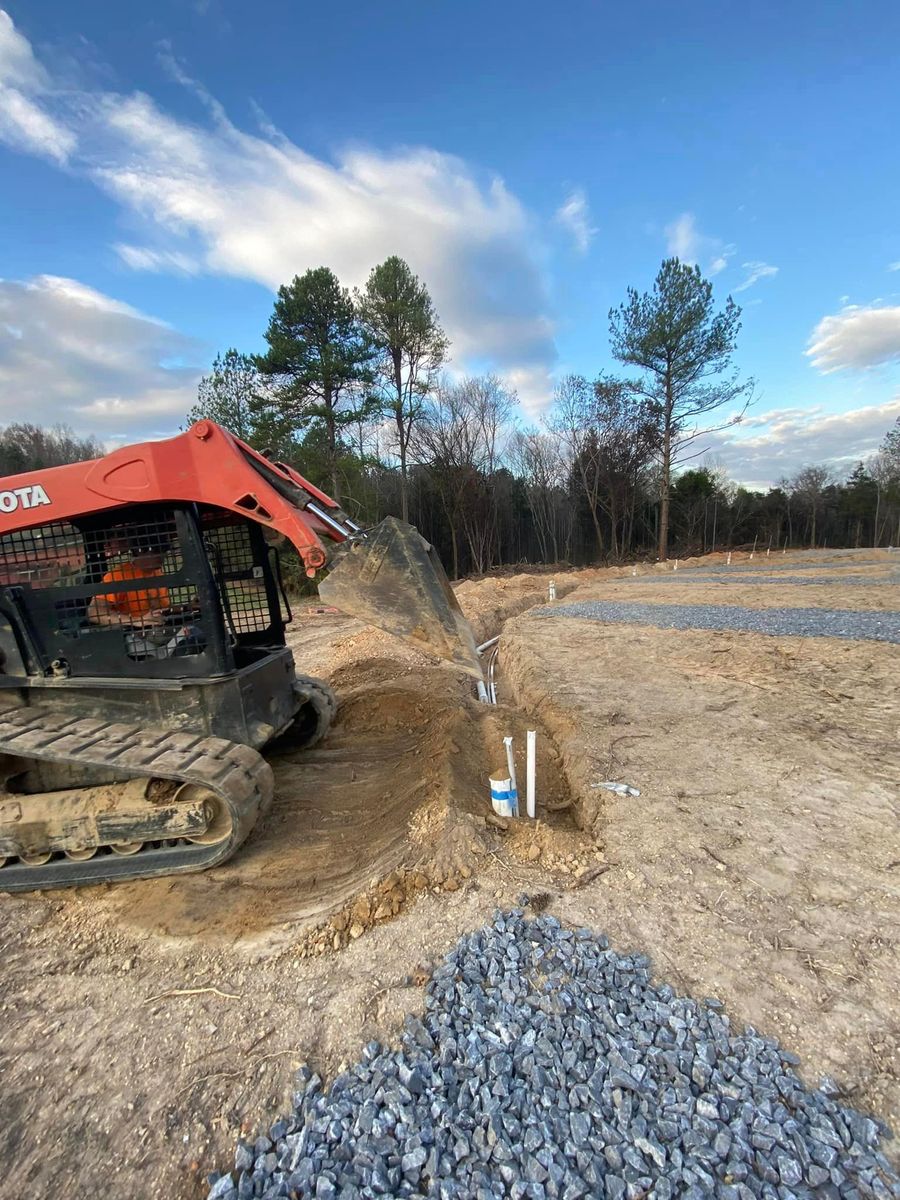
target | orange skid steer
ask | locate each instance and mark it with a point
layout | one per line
(143, 663)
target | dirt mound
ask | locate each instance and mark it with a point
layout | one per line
(489, 602)
(394, 802)
(450, 830)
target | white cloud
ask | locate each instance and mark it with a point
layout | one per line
(143, 258)
(24, 124)
(790, 438)
(858, 337)
(685, 241)
(216, 199)
(574, 215)
(69, 353)
(18, 66)
(534, 387)
(755, 272)
(894, 266)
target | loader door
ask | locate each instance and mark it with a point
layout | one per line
(243, 568)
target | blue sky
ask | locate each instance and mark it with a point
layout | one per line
(162, 171)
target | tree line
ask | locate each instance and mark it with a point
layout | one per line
(28, 447)
(354, 389)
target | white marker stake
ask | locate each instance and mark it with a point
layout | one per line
(728, 560)
(675, 568)
(552, 590)
(530, 770)
(511, 765)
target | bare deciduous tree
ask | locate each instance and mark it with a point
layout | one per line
(573, 423)
(808, 489)
(27, 447)
(539, 463)
(459, 436)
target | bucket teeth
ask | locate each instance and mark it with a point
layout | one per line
(393, 579)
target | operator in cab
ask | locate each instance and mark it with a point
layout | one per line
(138, 606)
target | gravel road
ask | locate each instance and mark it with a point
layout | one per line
(782, 622)
(548, 1066)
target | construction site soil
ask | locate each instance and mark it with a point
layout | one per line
(147, 1025)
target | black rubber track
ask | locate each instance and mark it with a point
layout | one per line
(238, 775)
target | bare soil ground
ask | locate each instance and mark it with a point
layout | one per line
(146, 1025)
(867, 581)
(761, 862)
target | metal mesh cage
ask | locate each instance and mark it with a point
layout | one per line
(101, 574)
(59, 555)
(89, 591)
(240, 576)
(50, 556)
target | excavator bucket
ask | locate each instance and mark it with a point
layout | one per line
(393, 579)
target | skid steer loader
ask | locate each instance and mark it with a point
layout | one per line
(143, 663)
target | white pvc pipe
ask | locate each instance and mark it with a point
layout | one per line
(486, 692)
(530, 770)
(511, 765)
(480, 649)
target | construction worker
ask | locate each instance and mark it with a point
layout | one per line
(138, 607)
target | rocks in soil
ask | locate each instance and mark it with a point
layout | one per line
(548, 1067)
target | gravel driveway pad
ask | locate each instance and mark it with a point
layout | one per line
(782, 622)
(695, 576)
(817, 564)
(548, 1066)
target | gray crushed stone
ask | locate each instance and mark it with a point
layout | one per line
(549, 1066)
(706, 576)
(865, 626)
(814, 562)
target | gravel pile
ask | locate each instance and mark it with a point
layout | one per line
(549, 1066)
(864, 626)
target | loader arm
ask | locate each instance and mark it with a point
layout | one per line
(204, 465)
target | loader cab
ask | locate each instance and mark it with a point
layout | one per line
(146, 592)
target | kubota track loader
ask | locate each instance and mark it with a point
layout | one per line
(143, 662)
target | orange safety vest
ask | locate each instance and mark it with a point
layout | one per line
(134, 604)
